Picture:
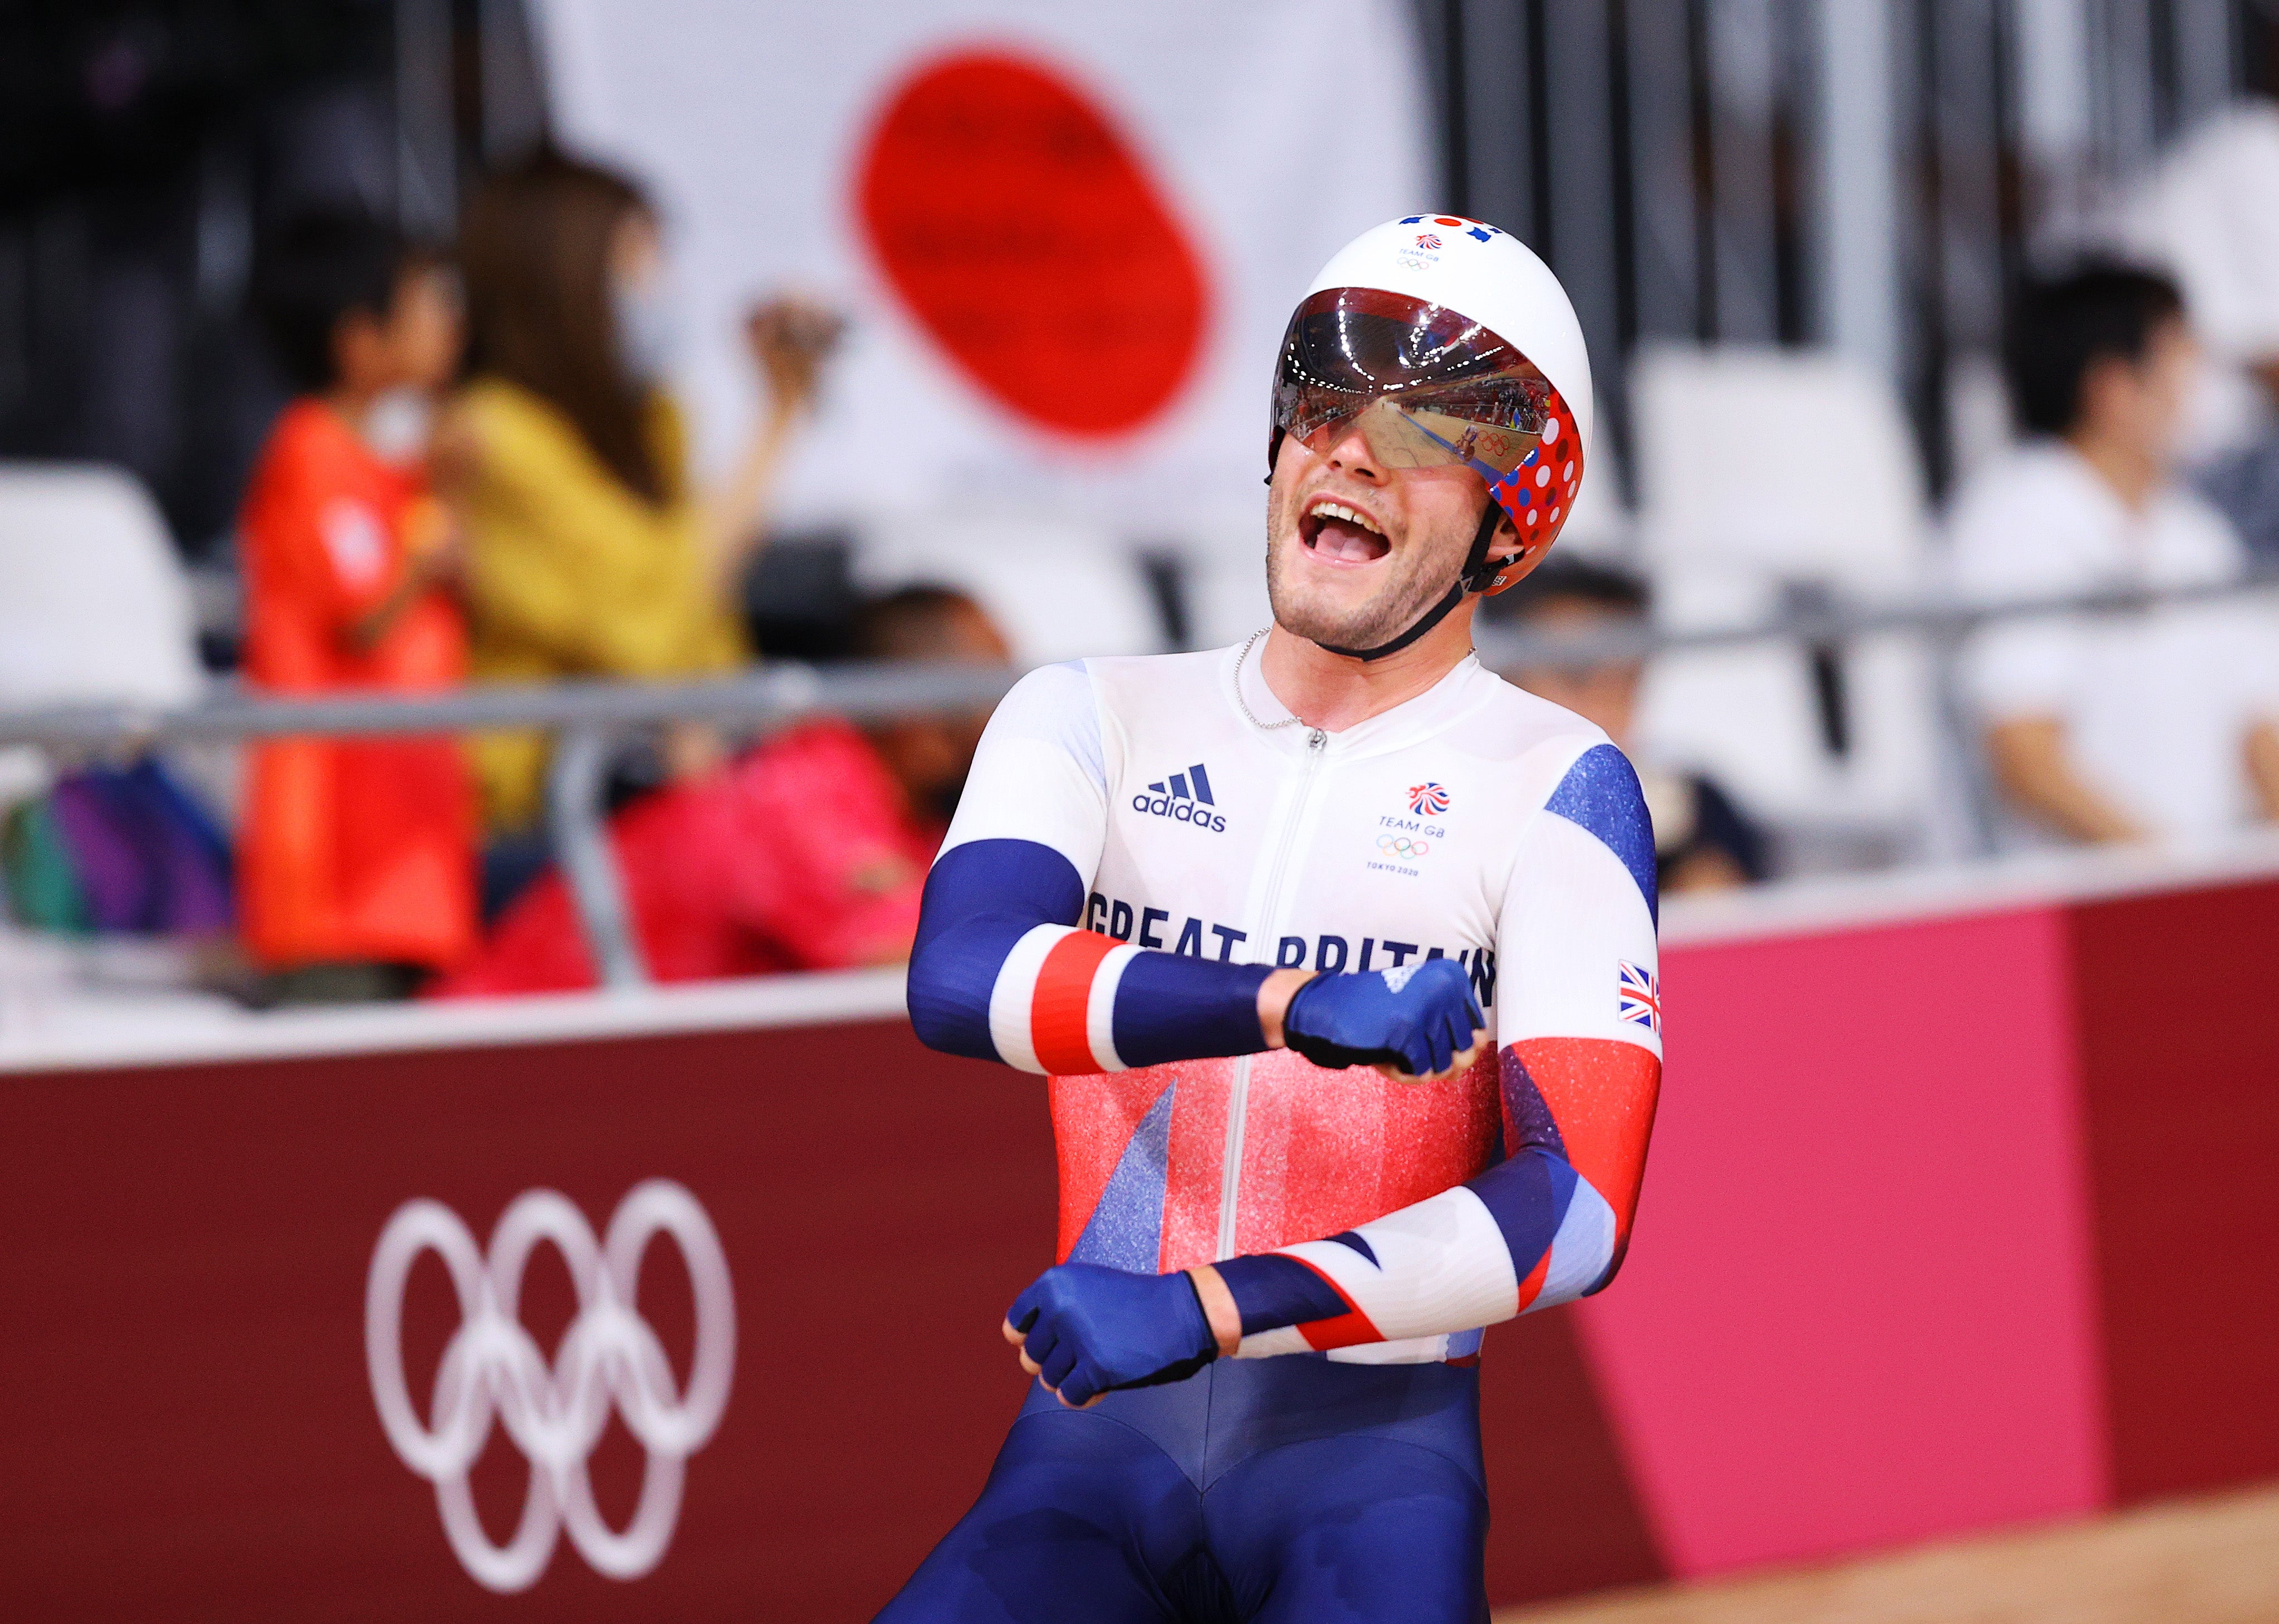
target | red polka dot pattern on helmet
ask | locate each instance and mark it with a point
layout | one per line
(1538, 506)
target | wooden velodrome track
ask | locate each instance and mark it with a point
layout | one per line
(2204, 1561)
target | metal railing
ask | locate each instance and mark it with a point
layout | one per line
(590, 718)
(587, 719)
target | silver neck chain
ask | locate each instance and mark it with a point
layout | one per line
(1240, 704)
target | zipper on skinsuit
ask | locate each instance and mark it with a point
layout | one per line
(1238, 1104)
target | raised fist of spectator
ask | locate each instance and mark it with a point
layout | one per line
(790, 340)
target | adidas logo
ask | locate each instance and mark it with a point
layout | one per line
(1178, 788)
(1184, 798)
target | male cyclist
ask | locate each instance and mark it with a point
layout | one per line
(1259, 914)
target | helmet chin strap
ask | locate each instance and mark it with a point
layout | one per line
(1476, 576)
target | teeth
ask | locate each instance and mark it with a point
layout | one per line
(1339, 511)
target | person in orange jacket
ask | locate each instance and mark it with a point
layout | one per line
(355, 856)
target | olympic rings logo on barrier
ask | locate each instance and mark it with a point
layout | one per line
(1403, 845)
(555, 1415)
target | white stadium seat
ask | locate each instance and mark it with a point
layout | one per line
(1767, 478)
(1222, 574)
(1058, 588)
(1226, 593)
(95, 608)
(1600, 529)
(94, 605)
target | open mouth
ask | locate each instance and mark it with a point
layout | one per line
(1333, 530)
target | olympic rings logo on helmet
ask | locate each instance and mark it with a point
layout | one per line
(608, 1359)
(1403, 845)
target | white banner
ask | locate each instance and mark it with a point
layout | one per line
(1069, 233)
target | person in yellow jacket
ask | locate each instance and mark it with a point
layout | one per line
(590, 552)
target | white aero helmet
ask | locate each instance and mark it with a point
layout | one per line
(1448, 341)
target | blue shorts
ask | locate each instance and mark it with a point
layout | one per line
(1278, 1490)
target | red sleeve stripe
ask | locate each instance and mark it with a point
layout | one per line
(1059, 1010)
(1531, 1288)
(1344, 1330)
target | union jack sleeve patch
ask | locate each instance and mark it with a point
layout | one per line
(1637, 995)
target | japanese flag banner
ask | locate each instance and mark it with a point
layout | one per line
(1068, 233)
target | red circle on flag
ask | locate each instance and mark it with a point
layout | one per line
(1024, 234)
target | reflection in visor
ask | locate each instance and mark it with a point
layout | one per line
(1428, 386)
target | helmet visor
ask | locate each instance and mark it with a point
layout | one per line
(1426, 385)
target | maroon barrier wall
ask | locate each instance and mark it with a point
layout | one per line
(191, 1434)
(192, 1431)
(2180, 1072)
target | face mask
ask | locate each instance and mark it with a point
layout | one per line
(646, 332)
(396, 424)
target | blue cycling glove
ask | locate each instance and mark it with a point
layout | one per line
(1094, 1329)
(1417, 1017)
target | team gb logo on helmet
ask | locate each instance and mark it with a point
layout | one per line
(1424, 248)
(609, 1357)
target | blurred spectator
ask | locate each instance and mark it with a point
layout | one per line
(810, 853)
(2210, 215)
(1702, 841)
(930, 755)
(2127, 724)
(590, 551)
(356, 855)
(116, 848)
(2243, 483)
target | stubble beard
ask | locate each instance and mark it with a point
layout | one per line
(1420, 576)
